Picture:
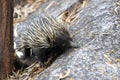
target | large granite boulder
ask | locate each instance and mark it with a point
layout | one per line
(97, 31)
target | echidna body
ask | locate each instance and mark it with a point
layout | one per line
(44, 35)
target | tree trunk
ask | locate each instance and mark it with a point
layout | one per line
(6, 38)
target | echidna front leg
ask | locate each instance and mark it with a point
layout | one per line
(40, 54)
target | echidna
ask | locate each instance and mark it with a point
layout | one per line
(42, 35)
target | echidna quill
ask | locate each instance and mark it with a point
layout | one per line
(42, 36)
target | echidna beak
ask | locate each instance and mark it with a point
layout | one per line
(74, 45)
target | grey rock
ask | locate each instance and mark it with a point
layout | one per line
(98, 34)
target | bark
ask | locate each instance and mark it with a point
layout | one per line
(6, 38)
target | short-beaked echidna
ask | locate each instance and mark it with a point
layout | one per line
(43, 35)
